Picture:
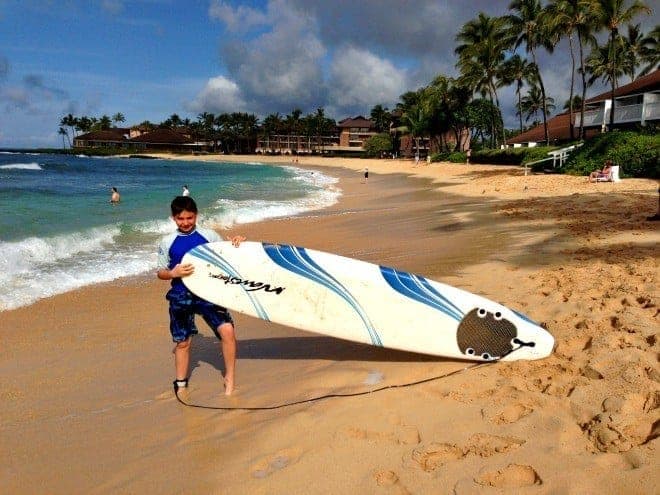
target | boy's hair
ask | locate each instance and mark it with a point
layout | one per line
(181, 203)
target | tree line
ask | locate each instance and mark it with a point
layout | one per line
(489, 58)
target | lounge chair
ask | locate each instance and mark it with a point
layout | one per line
(613, 176)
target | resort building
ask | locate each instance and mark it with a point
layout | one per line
(635, 104)
(161, 139)
(109, 138)
(290, 144)
(348, 137)
(354, 131)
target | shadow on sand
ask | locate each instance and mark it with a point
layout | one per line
(206, 349)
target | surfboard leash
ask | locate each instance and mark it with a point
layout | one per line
(331, 396)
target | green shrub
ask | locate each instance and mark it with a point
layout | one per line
(457, 157)
(511, 156)
(442, 156)
(637, 153)
(378, 144)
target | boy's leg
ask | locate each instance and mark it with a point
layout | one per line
(182, 328)
(228, 343)
(220, 320)
(182, 358)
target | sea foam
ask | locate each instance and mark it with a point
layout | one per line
(22, 166)
(37, 267)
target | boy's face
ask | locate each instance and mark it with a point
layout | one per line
(185, 221)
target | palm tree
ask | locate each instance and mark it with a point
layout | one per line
(611, 15)
(483, 42)
(518, 70)
(272, 125)
(608, 63)
(293, 125)
(85, 124)
(530, 26)
(173, 121)
(480, 115)
(118, 117)
(105, 122)
(574, 103)
(381, 117)
(71, 122)
(322, 125)
(533, 102)
(417, 123)
(566, 18)
(636, 49)
(651, 53)
(62, 132)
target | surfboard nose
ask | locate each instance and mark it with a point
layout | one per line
(533, 342)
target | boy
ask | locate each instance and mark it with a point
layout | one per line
(184, 304)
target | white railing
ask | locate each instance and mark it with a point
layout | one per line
(628, 113)
(624, 113)
(558, 157)
(591, 117)
(652, 111)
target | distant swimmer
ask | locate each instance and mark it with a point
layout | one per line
(186, 191)
(115, 198)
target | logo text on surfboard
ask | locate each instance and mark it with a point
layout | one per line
(249, 285)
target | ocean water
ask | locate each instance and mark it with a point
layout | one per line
(59, 232)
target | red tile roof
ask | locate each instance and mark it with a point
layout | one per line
(163, 136)
(558, 130)
(649, 82)
(114, 134)
(358, 121)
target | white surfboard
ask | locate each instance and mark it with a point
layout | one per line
(362, 302)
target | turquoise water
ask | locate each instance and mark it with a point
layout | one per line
(59, 232)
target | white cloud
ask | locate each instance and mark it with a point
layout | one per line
(238, 19)
(281, 68)
(218, 96)
(360, 79)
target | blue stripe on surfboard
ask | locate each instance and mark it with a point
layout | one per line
(420, 290)
(203, 252)
(526, 318)
(298, 261)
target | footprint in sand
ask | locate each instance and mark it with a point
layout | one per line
(390, 480)
(400, 434)
(485, 445)
(512, 413)
(512, 476)
(435, 455)
(481, 444)
(268, 465)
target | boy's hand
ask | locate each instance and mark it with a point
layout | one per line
(182, 270)
(237, 239)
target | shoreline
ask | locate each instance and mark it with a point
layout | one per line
(88, 408)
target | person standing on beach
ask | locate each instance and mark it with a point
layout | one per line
(186, 191)
(114, 196)
(366, 175)
(183, 304)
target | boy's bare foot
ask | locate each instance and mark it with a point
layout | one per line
(229, 386)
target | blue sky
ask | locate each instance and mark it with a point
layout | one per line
(149, 59)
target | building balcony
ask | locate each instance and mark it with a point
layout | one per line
(652, 111)
(622, 115)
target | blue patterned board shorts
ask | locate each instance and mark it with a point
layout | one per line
(183, 307)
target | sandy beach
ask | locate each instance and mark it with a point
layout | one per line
(87, 404)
